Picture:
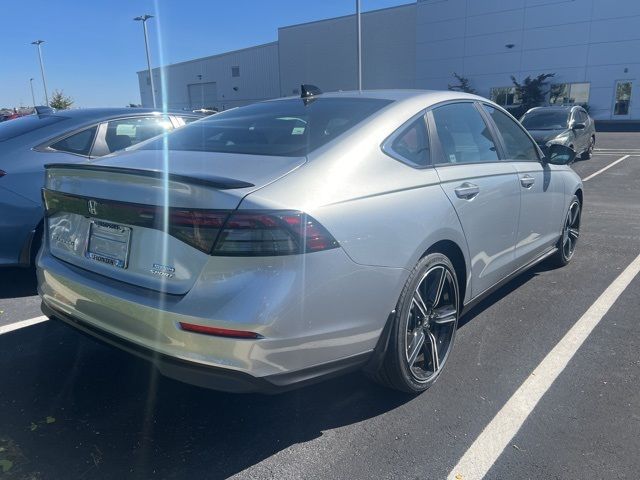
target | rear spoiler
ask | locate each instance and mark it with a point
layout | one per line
(221, 183)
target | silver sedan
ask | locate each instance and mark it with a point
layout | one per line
(283, 242)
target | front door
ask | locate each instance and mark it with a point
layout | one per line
(541, 190)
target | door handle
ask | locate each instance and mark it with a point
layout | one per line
(467, 191)
(527, 181)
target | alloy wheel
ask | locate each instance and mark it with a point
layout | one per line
(431, 323)
(571, 230)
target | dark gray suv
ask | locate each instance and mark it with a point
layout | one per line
(570, 126)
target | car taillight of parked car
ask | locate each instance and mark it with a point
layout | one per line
(272, 233)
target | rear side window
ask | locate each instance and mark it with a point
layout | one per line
(411, 144)
(129, 131)
(79, 143)
(292, 127)
(518, 145)
(464, 135)
(20, 126)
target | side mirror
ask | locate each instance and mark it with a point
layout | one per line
(579, 126)
(560, 155)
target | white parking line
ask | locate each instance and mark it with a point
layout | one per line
(605, 168)
(486, 449)
(21, 324)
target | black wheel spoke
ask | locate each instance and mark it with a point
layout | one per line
(441, 280)
(433, 348)
(444, 315)
(418, 301)
(415, 347)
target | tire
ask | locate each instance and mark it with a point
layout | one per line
(422, 334)
(588, 153)
(570, 233)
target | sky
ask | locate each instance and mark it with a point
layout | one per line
(93, 48)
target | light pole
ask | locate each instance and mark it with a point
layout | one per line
(33, 97)
(201, 91)
(143, 19)
(44, 82)
(359, 45)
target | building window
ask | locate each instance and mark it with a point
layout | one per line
(235, 71)
(569, 94)
(623, 98)
(505, 96)
(148, 80)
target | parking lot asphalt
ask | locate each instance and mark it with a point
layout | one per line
(72, 408)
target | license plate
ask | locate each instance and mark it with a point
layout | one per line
(109, 243)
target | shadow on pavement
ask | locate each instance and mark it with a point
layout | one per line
(115, 417)
(503, 291)
(17, 282)
(73, 408)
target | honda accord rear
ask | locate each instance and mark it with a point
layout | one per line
(164, 252)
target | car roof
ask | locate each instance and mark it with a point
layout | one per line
(399, 97)
(557, 108)
(393, 94)
(91, 113)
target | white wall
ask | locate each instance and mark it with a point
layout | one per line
(420, 45)
(258, 78)
(591, 41)
(323, 53)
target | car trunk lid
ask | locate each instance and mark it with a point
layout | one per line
(126, 218)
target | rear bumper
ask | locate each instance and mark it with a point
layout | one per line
(213, 377)
(303, 308)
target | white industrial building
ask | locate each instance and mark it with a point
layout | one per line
(592, 46)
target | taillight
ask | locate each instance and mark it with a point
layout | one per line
(198, 228)
(215, 232)
(2, 173)
(272, 233)
(219, 332)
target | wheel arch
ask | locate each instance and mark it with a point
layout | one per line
(453, 251)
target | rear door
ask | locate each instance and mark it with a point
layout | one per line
(483, 189)
(541, 188)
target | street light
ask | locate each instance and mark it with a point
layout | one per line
(44, 82)
(33, 97)
(143, 19)
(359, 45)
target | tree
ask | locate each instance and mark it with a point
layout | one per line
(531, 91)
(464, 84)
(59, 101)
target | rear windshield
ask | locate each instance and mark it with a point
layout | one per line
(20, 126)
(545, 120)
(283, 128)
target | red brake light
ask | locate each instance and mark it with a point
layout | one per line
(220, 332)
(272, 233)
